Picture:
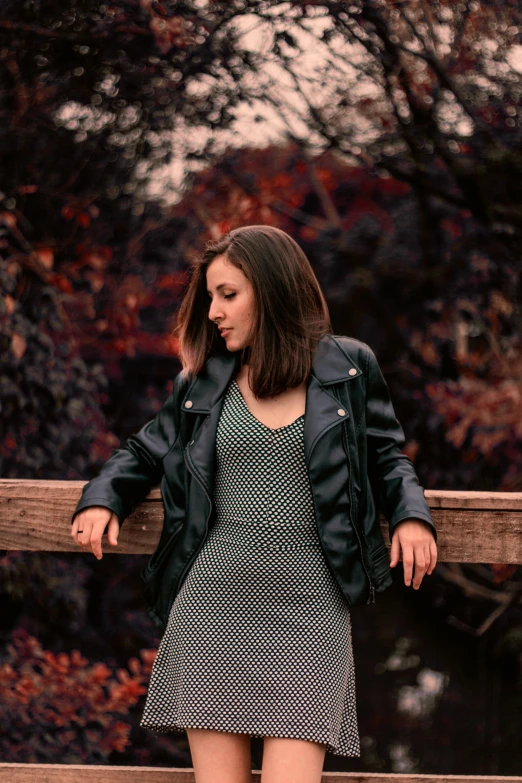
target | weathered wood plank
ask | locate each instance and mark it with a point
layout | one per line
(36, 516)
(474, 501)
(96, 773)
(473, 527)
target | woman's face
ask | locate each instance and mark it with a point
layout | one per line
(232, 302)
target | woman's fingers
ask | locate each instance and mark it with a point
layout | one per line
(78, 528)
(89, 526)
(395, 551)
(433, 555)
(420, 565)
(419, 550)
(113, 529)
(407, 561)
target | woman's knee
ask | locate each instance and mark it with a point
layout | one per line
(288, 760)
(220, 756)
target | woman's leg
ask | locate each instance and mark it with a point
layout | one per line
(220, 756)
(292, 760)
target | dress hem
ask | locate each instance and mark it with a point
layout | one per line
(331, 748)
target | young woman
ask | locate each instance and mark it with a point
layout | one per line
(276, 450)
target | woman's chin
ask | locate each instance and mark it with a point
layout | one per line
(233, 345)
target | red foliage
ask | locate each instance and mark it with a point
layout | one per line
(452, 227)
(503, 571)
(58, 702)
(484, 412)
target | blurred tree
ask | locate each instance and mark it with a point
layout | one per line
(384, 136)
(407, 92)
(57, 705)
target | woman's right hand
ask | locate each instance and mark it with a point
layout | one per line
(89, 526)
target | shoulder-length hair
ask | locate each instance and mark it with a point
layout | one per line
(290, 311)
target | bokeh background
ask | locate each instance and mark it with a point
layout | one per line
(385, 137)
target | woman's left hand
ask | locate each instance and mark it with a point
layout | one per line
(418, 548)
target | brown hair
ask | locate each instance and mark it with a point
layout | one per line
(290, 316)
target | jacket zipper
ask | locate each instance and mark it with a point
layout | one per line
(187, 566)
(371, 597)
(159, 555)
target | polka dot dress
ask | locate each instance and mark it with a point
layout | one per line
(259, 638)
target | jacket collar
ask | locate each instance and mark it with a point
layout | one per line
(331, 365)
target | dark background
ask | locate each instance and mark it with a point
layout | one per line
(401, 182)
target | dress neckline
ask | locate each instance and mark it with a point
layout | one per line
(271, 429)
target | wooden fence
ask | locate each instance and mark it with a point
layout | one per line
(95, 773)
(472, 527)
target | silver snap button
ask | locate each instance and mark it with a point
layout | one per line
(341, 412)
(353, 371)
(188, 404)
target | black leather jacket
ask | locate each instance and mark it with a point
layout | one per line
(352, 444)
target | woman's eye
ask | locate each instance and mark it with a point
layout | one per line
(225, 296)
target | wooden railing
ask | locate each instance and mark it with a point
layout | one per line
(472, 527)
(95, 773)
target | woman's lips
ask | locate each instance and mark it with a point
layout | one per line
(225, 332)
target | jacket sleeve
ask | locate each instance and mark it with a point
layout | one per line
(132, 471)
(399, 495)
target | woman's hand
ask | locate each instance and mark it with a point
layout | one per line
(418, 547)
(89, 526)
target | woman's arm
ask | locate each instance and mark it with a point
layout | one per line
(399, 495)
(132, 471)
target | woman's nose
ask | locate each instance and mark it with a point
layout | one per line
(214, 311)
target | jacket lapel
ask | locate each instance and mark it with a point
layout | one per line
(206, 393)
(331, 365)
